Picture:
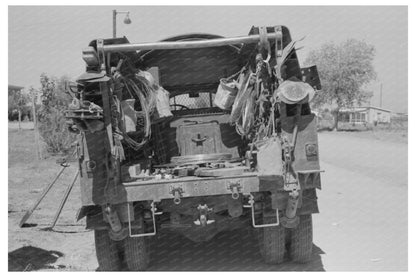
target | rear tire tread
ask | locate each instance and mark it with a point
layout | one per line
(302, 240)
(136, 253)
(271, 242)
(107, 251)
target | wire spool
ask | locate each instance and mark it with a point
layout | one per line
(200, 159)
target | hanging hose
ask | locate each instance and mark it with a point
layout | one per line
(140, 89)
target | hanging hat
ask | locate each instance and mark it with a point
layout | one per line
(292, 92)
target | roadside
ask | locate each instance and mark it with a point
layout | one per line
(363, 202)
(26, 125)
(71, 247)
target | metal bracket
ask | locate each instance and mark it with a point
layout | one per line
(278, 51)
(153, 209)
(253, 220)
(177, 193)
(101, 53)
(291, 185)
(305, 174)
(235, 188)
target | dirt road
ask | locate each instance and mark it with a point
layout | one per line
(363, 204)
(362, 224)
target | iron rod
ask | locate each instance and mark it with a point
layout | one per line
(167, 45)
(63, 201)
(36, 204)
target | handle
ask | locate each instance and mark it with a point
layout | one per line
(196, 140)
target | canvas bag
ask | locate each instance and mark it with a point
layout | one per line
(269, 158)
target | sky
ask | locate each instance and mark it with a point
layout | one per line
(50, 38)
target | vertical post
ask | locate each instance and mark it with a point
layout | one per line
(35, 129)
(19, 109)
(114, 23)
(20, 118)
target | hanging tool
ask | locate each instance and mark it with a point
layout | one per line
(63, 201)
(45, 191)
(291, 179)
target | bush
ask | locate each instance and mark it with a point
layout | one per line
(325, 121)
(51, 121)
(54, 132)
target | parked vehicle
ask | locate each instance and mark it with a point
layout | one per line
(164, 145)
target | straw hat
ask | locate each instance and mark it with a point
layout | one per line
(292, 92)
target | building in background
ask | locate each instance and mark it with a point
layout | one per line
(365, 116)
(14, 89)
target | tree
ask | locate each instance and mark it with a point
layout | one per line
(344, 69)
(17, 101)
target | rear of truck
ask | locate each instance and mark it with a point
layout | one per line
(196, 134)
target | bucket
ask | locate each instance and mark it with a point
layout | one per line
(226, 93)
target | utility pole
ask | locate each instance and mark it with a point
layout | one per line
(381, 95)
(114, 23)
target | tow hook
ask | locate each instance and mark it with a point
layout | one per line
(235, 189)
(177, 193)
(203, 216)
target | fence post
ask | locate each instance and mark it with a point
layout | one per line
(35, 125)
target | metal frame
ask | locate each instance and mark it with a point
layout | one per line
(153, 219)
(253, 220)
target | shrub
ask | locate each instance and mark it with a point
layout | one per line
(51, 121)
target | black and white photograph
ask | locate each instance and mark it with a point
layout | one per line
(195, 138)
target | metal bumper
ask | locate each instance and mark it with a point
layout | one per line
(157, 190)
(194, 187)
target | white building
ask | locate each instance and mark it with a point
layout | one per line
(364, 115)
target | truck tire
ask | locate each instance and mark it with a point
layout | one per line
(136, 253)
(271, 242)
(301, 240)
(107, 251)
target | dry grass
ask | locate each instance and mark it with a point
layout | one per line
(28, 176)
